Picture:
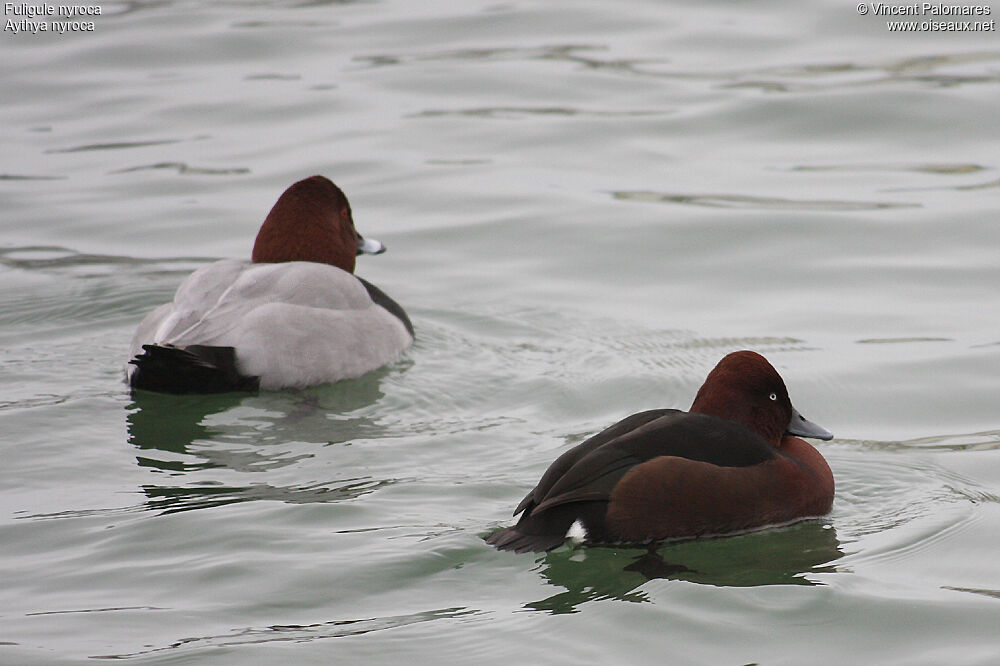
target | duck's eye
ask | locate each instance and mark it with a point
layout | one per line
(773, 396)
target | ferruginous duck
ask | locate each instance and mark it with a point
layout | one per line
(733, 463)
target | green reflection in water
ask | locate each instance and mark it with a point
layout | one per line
(779, 556)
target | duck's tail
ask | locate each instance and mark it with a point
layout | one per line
(191, 369)
(541, 531)
(511, 538)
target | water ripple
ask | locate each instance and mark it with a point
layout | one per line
(550, 52)
(988, 440)
(940, 168)
(900, 504)
(113, 145)
(508, 111)
(63, 286)
(818, 77)
(812, 77)
(13, 176)
(34, 257)
(758, 203)
(299, 633)
(185, 170)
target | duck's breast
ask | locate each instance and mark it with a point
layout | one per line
(670, 496)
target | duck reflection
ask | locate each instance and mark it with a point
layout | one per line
(171, 423)
(780, 556)
(196, 443)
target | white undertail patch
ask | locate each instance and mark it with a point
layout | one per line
(577, 532)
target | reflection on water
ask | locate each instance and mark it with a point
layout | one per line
(167, 499)
(995, 594)
(321, 414)
(781, 556)
(198, 440)
(172, 423)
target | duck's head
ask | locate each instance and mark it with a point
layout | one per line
(311, 221)
(745, 388)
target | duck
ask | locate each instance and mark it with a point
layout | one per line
(734, 462)
(293, 316)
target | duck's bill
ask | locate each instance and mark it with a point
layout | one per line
(369, 246)
(801, 427)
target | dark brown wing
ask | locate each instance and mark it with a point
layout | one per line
(591, 470)
(570, 458)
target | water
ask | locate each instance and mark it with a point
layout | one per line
(586, 206)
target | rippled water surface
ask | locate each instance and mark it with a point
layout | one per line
(586, 205)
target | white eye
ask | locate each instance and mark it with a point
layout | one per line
(773, 396)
